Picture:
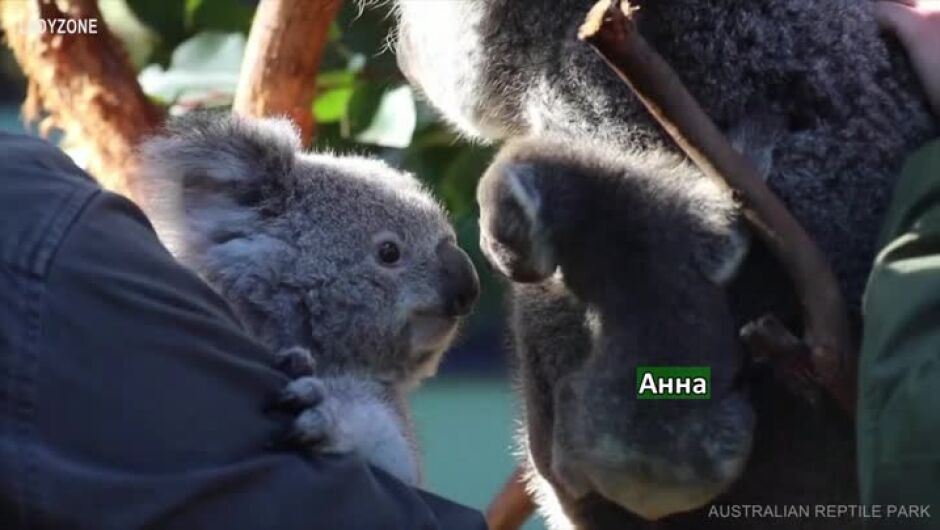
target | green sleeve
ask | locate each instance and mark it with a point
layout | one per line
(899, 376)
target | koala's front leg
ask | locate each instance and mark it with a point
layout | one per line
(346, 413)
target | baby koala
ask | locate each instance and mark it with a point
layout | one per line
(344, 265)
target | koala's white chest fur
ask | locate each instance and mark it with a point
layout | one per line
(364, 421)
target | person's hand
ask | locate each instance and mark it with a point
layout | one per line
(917, 25)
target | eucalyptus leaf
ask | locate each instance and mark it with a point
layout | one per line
(204, 65)
(393, 123)
(362, 107)
(335, 79)
(165, 17)
(331, 106)
(218, 15)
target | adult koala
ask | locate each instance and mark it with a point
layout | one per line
(338, 262)
(809, 90)
(811, 82)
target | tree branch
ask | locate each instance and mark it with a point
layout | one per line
(610, 30)
(283, 54)
(771, 342)
(83, 84)
(512, 505)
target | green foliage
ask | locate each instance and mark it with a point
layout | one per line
(393, 122)
(202, 68)
(176, 20)
(364, 104)
(331, 106)
(167, 18)
(218, 15)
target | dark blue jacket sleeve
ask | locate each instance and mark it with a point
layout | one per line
(130, 396)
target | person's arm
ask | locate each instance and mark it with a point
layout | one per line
(916, 23)
(899, 372)
(131, 397)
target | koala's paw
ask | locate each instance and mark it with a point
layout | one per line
(295, 362)
(305, 395)
(301, 393)
(513, 235)
(315, 425)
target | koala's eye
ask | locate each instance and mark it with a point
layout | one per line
(389, 254)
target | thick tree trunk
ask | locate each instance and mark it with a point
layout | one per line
(283, 55)
(83, 84)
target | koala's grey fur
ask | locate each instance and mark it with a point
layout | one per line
(655, 218)
(595, 239)
(290, 239)
(842, 106)
(809, 88)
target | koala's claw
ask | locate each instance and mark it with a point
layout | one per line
(295, 362)
(301, 393)
(304, 396)
(311, 427)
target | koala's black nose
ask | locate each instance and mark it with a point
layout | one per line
(460, 284)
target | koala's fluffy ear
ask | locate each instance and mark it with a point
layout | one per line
(513, 234)
(211, 177)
